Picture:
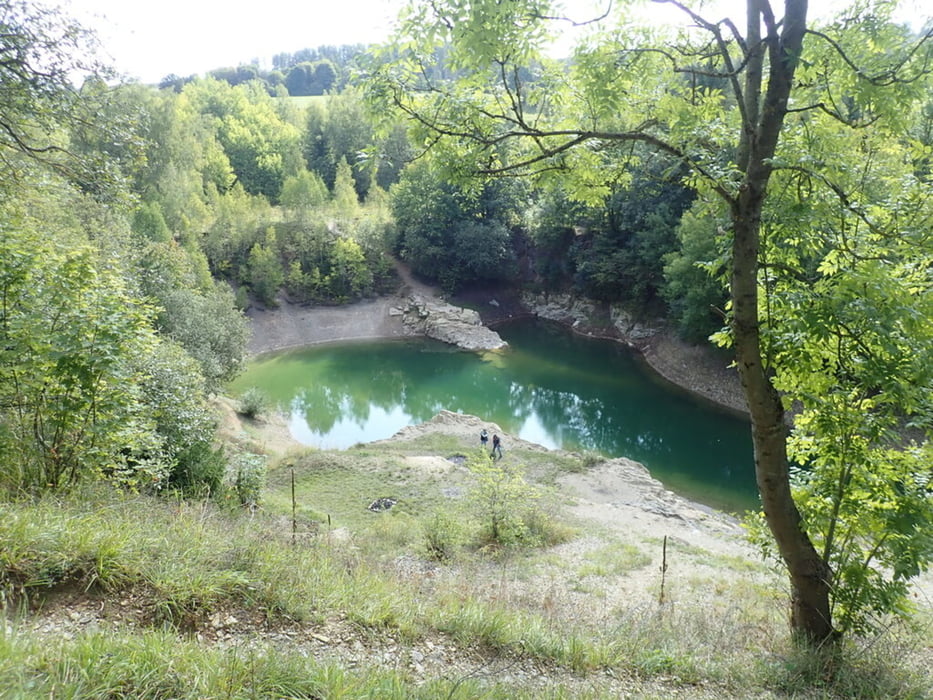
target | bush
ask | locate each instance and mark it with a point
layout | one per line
(199, 471)
(443, 533)
(249, 478)
(505, 504)
(253, 403)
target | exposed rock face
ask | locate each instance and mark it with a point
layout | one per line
(590, 317)
(692, 367)
(450, 324)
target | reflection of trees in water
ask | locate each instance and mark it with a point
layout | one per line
(593, 423)
(579, 417)
(349, 391)
(579, 394)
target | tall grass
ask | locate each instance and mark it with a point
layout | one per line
(186, 560)
(182, 563)
(157, 665)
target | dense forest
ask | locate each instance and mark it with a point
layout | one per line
(769, 188)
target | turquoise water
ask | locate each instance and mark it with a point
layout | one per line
(549, 387)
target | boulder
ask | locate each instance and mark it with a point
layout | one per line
(448, 323)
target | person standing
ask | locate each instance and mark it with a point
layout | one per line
(483, 438)
(496, 448)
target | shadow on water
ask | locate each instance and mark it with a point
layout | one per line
(550, 387)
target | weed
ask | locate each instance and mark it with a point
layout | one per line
(249, 478)
(443, 535)
(613, 560)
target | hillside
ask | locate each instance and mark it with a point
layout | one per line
(199, 601)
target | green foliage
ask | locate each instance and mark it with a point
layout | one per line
(265, 271)
(505, 505)
(443, 535)
(262, 148)
(694, 286)
(149, 223)
(249, 478)
(346, 200)
(621, 256)
(350, 276)
(253, 403)
(847, 327)
(302, 194)
(211, 328)
(449, 237)
(174, 390)
(870, 510)
(45, 55)
(311, 78)
(341, 132)
(69, 399)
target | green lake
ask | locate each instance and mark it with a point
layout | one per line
(550, 387)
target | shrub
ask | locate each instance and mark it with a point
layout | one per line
(199, 471)
(505, 504)
(249, 478)
(443, 533)
(253, 403)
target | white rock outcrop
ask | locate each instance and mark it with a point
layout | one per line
(590, 317)
(448, 323)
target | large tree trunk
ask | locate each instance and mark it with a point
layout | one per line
(810, 576)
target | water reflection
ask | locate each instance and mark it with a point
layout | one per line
(549, 387)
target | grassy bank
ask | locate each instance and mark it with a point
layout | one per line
(109, 595)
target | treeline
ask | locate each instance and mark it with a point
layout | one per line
(136, 224)
(303, 73)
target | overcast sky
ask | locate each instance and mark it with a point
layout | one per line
(148, 40)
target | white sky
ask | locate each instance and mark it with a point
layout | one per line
(148, 40)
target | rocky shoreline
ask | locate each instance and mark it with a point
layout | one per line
(418, 310)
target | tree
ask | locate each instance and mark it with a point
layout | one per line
(298, 80)
(149, 223)
(349, 276)
(174, 390)
(734, 108)
(263, 148)
(302, 194)
(265, 270)
(69, 399)
(346, 200)
(694, 285)
(621, 256)
(445, 234)
(342, 131)
(42, 53)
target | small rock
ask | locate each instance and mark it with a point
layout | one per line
(381, 504)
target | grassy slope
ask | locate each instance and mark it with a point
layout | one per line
(109, 595)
